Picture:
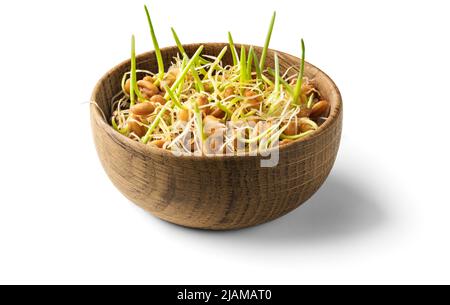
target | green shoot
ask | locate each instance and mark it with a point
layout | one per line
(123, 131)
(266, 45)
(298, 87)
(197, 80)
(277, 75)
(183, 51)
(257, 68)
(156, 46)
(224, 108)
(250, 113)
(250, 62)
(178, 42)
(199, 121)
(216, 62)
(178, 81)
(114, 123)
(154, 124)
(233, 50)
(186, 69)
(283, 82)
(243, 62)
(138, 93)
(267, 80)
(184, 62)
(133, 83)
(183, 65)
(174, 98)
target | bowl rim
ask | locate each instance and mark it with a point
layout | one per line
(97, 115)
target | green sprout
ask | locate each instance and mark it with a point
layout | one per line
(298, 86)
(199, 121)
(183, 65)
(123, 131)
(155, 124)
(243, 62)
(277, 74)
(186, 69)
(266, 45)
(174, 98)
(216, 62)
(156, 46)
(283, 82)
(257, 68)
(250, 62)
(224, 108)
(175, 85)
(178, 42)
(199, 84)
(133, 81)
(233, 50)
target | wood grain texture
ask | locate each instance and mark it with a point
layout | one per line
(215, 193)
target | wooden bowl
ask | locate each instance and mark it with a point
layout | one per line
(215, 193)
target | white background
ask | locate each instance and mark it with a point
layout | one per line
(383, 215)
